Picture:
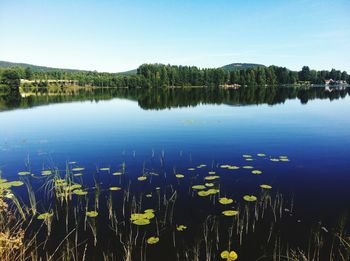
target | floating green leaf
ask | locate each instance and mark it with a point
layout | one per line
(203, 193)
(141, 222)
(198, 187)
(181, 228)
(250, 198)
(152, 240)
(92, 214)
(46, 172)
(211, 177)
(225, 201)
(229, 256)
(230, 213)
(79, 192)
(232, 167)
(23, 173)
(114, 188)
(265, 186)
(78, 169)
(256, 172)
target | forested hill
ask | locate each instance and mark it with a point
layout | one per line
(35, 68)
(38, 68)
(241, 66)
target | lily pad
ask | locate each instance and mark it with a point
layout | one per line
(250, 198)
(16, 183)
(257, 172)
(213, 191)
(23, 173)
(46, 172)
(229, 256)
(265, 186)
(78, 169)
(211, 177)
(230, 213)
(142, 178)
(80, 192)
(225, 201)
(233, 167)
(115, 188)
(203, 193)
(118, 173)
(284, 160)
(92, 214)
(152, 240)
(198, 187)
(181, 228)
(180, 176)
(141, 222)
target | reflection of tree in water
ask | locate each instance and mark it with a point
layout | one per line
(156, 98)
(10, 99)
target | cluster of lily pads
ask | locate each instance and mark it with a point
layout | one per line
(70, 185)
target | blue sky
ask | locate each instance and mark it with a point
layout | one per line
(120, 35)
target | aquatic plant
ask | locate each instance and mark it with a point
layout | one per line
(152, 240)
(229, 255)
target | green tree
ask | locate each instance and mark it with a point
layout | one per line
(11, 78)
(28, 73)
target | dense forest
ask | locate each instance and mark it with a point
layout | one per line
(159, 75)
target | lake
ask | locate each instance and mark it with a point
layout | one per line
(296, 140)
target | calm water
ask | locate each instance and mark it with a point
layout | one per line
(311, 128)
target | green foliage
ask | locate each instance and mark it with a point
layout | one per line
(160, 75)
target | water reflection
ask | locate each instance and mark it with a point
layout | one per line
(173, 98)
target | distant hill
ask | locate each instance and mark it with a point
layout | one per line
(131, 72)
(37, 68)
(240, 66)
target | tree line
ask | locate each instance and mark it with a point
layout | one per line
(160, 75)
